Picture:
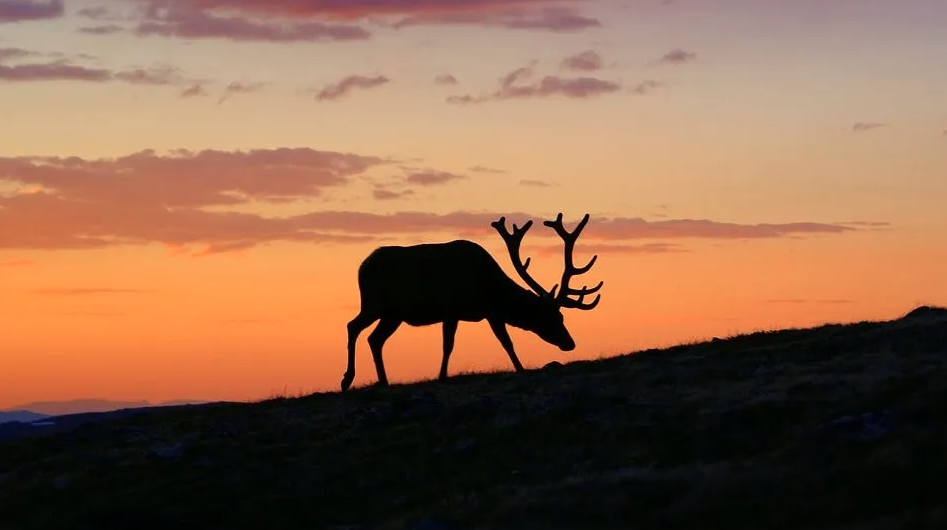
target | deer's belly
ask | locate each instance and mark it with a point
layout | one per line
(435, 311)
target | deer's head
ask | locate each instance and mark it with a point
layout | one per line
(545, 317)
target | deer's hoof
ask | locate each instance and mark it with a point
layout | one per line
(347, 381)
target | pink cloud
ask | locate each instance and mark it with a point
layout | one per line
(344, 87)
(511, 87)
(145, 198)
(186, 20)
(605, 248)
(64, 70)
(26, 10)
(587, 61)
(678, 56)
(548, 19)
(527, 14)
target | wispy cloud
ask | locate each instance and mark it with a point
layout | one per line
(28, 10)
(557, 19)
(445, 80)
(63, 68)
(239, 88)
(385, 194)
(349, 84)
(677, 56)
(102, 29)
(431, 178)
(485, 169)
(515, 85)
(535, 183)
(587, 61)
(179, 19)
(862, 127)
(147, 198)
(195, 90)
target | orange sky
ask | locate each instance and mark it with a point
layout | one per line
(185, 195)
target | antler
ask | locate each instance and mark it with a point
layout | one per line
(513, 240)
(569, 238)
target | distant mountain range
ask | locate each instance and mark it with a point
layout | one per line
(30, 412)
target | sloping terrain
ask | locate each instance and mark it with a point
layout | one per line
(836, 427)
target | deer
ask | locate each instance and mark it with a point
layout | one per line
(459, 281)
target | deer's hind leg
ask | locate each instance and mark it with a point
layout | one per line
(355, 327)
(376, 341)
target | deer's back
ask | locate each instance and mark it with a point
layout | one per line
(423, 284)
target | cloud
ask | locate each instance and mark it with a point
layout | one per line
(862, 127)
(344, 87)
(605, 248)
(677, 56)
(104, 29)
(26, 10)
(195, 90)
(555, 19)
(431, 178)
(95, 13)
(547, 15)
(180, 19)
(159, 76)
(587, 61)
(383, 194)
(646, 87)
(239, 88)
(64, 69)
(535, 183)
(16, 263)
(512, 87)
(445, 80)
(146, 198)
(484, 169)
(83, 291)
(15, 53)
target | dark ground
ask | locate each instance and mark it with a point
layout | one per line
(836, 427)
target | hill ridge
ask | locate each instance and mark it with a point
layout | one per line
(833, 427)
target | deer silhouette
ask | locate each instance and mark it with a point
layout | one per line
(458, 281)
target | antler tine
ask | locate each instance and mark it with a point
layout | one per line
(513, 240)
(569, 239)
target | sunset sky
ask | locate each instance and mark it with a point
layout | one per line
(187, 187)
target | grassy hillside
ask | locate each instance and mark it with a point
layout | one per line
(836, 427)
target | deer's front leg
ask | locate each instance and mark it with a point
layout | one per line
(450, 329)
(499, 329)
